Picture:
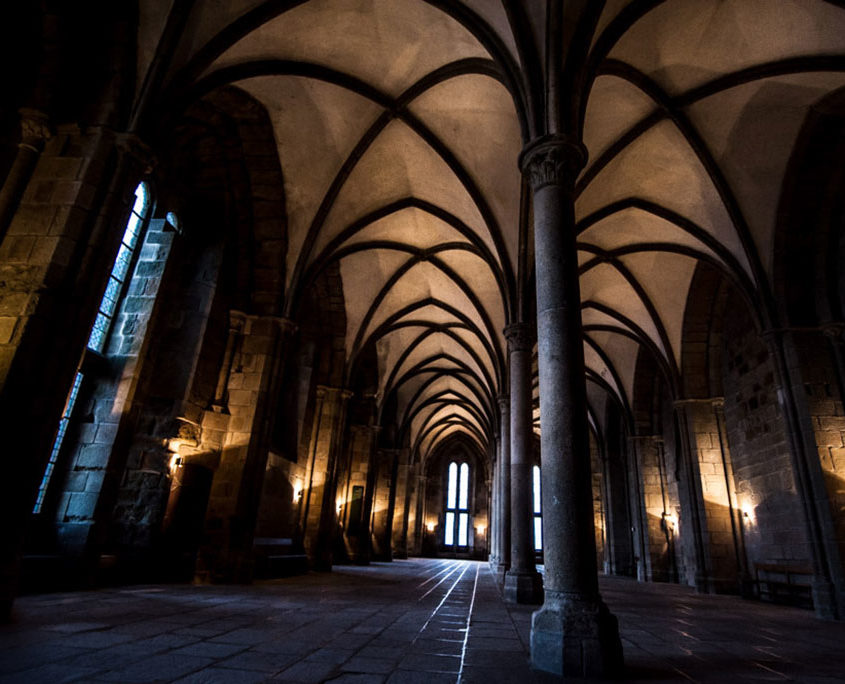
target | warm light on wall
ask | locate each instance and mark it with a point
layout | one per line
(175, 463)
(748, 517)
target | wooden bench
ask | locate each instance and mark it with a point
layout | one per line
(784, 583)
(276, 557)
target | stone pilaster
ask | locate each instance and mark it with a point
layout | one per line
(504, 503)
(320, 514)
(523, 583)
(573, 634)
(227, 553)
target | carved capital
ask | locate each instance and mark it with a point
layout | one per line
(519, 337)
(834, 331)
(504, 402)
(552, 160)
(132, 145)
(35, 129)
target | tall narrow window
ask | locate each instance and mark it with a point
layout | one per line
(115, 289)
(456, 528)
(538, 509)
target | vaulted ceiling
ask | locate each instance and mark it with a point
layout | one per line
(398, 124)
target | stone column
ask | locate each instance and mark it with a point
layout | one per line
(523, 583)
(35, 131)
(333, 418)
(493, 557)
(504, 503)
(573, 634)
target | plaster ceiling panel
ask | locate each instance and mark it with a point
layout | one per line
(391, 346)
(472, 341)
(430, 313)
(433, 415)
(751, 131)
(597, 401)
(615, 105)
(460, 383)
(493, 12)
(316, 125)
(411, 226)
(474, 115)
(437, 344)
(660, 166)
(421, 282)
(444, 385)
(594, 362)
(591, 316)
(363, 275)
(635, 226)
(605, 285)
(685, 43)
(207, 19)
(152, 16)
(666, 278)
(477, 275)
(398, 165)
(622, 352)
(389, 44)
(406, 391)
(611, 10)
(438, 436)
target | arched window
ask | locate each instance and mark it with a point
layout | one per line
(537, 508)
(456, 528)
(114, 292)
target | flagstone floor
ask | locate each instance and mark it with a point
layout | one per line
(407, 622)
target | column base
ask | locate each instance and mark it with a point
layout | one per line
(573, 637)
(523, 587)
(499, 571)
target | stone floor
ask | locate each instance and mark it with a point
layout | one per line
(405, 622)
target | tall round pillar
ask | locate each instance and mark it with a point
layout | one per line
(573, 634)
(504, 503)
(523, 583)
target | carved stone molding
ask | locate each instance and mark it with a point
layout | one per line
(504, 401)
(552, 160)
(35, 129)
(519, 337)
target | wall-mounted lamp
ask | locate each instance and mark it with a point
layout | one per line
(480, 530)
(748, 517)
(339, 507)
(297, 491)
(670, 521)
(175, 463)
(429, 526)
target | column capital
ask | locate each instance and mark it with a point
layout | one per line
(338, 392)
(552, 160)
(131, 144)
(35, 129)
(519, 337)
(504, 402)
(704, 401)
(834, 331)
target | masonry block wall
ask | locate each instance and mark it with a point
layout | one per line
(773, 523)
(92, 449)
(820, 358)
(600, 525)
